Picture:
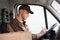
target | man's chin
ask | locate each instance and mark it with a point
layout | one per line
(24, 18)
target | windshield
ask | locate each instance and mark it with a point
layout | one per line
(56, 6)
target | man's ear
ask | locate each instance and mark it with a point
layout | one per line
(17, 14)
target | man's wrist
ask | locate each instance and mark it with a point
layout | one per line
(38, 36)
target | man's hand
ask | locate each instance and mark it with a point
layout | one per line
(43, 31)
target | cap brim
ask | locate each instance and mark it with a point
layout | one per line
(31, 12)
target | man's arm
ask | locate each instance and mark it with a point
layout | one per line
(9, 29)
(36, 36)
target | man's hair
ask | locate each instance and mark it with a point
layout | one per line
(25, 7)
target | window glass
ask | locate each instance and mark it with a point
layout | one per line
(56, 6)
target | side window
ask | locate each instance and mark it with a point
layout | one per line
(36, 21)
(51, 20)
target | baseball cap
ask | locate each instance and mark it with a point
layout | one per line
(26, 7)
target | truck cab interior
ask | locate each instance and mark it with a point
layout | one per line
(46, 14)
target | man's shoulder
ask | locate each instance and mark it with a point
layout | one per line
(13, 21)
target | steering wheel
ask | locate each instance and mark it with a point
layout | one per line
(52, 27)
(48, 32)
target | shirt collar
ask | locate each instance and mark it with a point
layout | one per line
(20, 20)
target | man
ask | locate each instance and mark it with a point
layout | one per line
(18, 23)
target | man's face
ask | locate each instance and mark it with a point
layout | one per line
(24, 14)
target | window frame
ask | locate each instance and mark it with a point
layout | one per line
(45, 15)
